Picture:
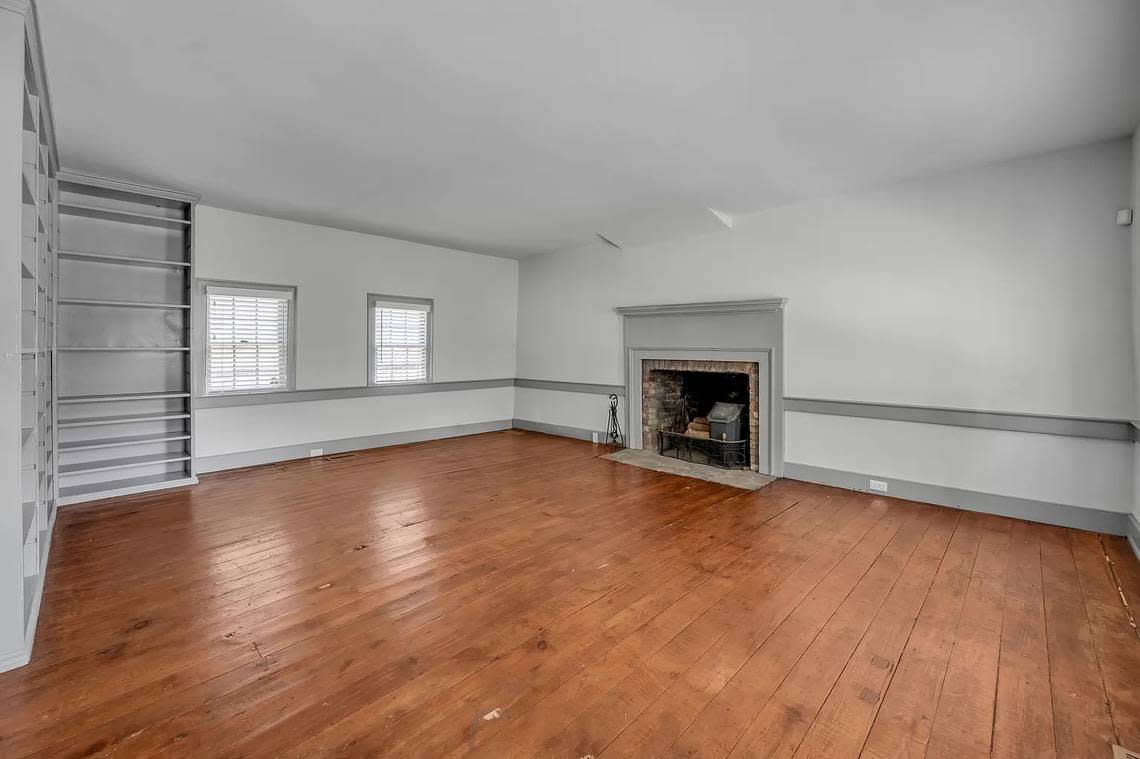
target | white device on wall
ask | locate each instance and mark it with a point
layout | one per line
(1124, 217)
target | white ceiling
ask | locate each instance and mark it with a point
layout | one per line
(520, 126)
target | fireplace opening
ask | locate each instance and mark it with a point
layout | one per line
(701, 411)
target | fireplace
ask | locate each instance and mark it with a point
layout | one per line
(677, 397)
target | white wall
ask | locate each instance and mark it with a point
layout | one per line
(474, 328)
(252, 428)
(1041, 467)
(1135, 205)
(588, 411)
(1004, 287)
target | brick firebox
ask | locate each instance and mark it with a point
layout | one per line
(661, 399)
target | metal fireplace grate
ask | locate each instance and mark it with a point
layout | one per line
(727, 454)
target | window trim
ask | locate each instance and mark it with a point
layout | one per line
(201, 304)
(370, 365)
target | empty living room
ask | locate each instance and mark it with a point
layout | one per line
(749, 378)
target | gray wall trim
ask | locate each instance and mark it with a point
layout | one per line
(291, 452)
(571, 387)
(337, 393)
(1132, 530)
(1101, 429)
(558, 429)
(712, 307)
(1063, 515)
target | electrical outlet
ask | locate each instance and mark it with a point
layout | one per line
(316, 452)
(595, 438)
(879, 486)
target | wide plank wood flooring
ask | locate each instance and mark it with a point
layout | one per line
(514, 595)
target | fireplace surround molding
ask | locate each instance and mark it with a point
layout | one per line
(748, 331)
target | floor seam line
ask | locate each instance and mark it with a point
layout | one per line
(910, 632)
(823, 626)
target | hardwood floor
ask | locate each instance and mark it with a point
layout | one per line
(513, 595)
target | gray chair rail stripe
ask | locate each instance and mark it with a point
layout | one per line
(1101, 429)
(571, 387)
(337, 393)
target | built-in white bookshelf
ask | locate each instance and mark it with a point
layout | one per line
(125, 365)
(97, 344)
(35, 314)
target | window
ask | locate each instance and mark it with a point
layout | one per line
(248, 338)
(399, 344)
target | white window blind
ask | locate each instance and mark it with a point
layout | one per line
(247, 339)
(400, 335)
